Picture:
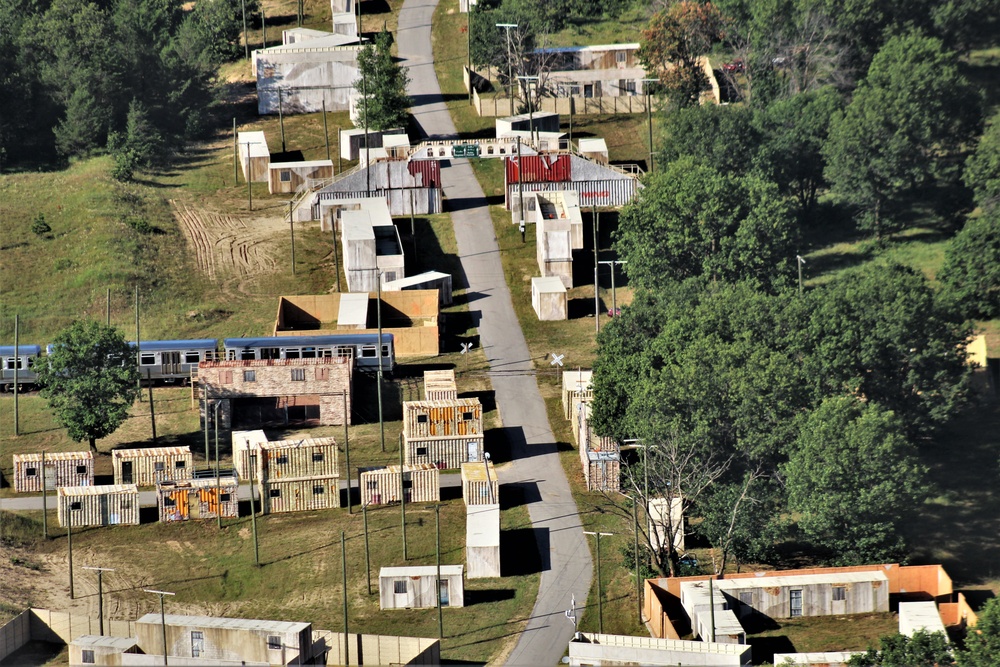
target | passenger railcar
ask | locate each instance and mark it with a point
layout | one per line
(363, 347)
(18, 368)
(172, 360)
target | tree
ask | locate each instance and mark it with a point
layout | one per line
(673, 44)
(896, 139)
(384, 104)
(982, 170)
(923, 649)
(90, 380)
(741, 519)
(852, 476)
(970, 278)
(726, 138)
(691, 220)
(139, 148)
(982, 641)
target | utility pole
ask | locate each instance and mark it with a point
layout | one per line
(205, 412)
(152, 411)
(468, 34)
(614, 300)
(368, 558)
(597, 287)
(600, 585)
(218, 487)
(249, 177)
(107, 300)
(520, 187)
(649, 116)
(281, 120)
(291, 230)
(635, 549)
(253, 511)
(368, 155)
(402, 497)
(347, 449)
(340, 164)
(800, 261)
(45, 503)
(163, 619)
(17, 377)
(343, 575)
(531, 105)
(326, 129)
(437, 526)
(100, 594)
(236, 181)
(138, 357)
(246, 35)
(69, 542)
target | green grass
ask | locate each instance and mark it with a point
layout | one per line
(855, 632)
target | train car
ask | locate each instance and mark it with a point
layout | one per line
(18, 368)
(172, 360)
(363, 347)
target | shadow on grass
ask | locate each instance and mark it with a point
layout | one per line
(764, 648)
(474, 597)
(524, 551)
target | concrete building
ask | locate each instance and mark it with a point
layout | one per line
(554, 250)
(255, 158)
(200, 498)
(549, 298)
(482, 540)
(428, 280)
(238, 639)
(417, 587)
(352, 140)
(147, 466)
(598, 649)
(305, 72)
(289, 177)
(103, 505)
(56, 468)
(410, 316)
(279, 391)
(914, 616)
(371, 245)
(605, 70)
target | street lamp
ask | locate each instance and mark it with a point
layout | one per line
(649, 117)
(510, 76)
(163, 618)
(531, 105)
(600, 594)
(100, 594)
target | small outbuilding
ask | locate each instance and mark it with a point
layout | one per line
(305, 457)
(146, 467)
(433, 419)
(100, 650)
(56, 468)
(254, 156)
(660, 522)
(549, 298)
(482, 541)
(594, 148)
(289, 177)
(299, 494)
(105, 505)
(554, 249)
(915, 616)
(352, 140)
(198, 498)
(440, 385)
(480, 485)
(246, 443)
(416, 587)
(381, 485)
(577, 386)
(371, 246)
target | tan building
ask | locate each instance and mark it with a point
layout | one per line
(211, 638)
(306, 457)
(444, 433)
(440, 386)
(480, 485)
(57, 468)
(279, 390)
(288, 177)
(147, 466)
(420, 482)
(418, 586)
(201, 498)
(299, 494)
(105, 505)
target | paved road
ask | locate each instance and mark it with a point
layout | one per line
(148, 498)
(565, 558)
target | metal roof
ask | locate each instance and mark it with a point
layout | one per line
(832, 578)
(301, 164)
(482, 525)
(197, 483)
(150, 451)
(168, 345)
(299, 341)
(255, 142)
(353, 310)
(30, 350)
(228, 623)
(104, 489)
(421, 571)
(444, 403)
(332, 42)
(546, 284)
(54, 456)
(121, 643)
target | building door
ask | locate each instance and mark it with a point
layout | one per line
(443, 592)
(400, 594)
(194, 504)
(170, 364)
(473, 451)
(126, 472)
(795, 603)
(49, 475)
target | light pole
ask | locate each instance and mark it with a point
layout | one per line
(531, 105)
(437, 524)
(614, 297)
(600, 594)
(510, 76)
(368, 561)
(378, 310)
(163, 619)
(489, 485)
(649, 116)
(100, 594)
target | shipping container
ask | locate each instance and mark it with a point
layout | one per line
(418, 587)
(61, 469)
(602, 471)
(480, 485)
(213, 640)
(604, 193)
(444, 453)
(576, 387)
(254, 156)
(288, 177)
(201, 498)
(146, 467)
(482, 541)
(436, 419)
(440, 386)
(379, 486)
(538, 168)
(246, 443)
(308, 457)
(299, 494)
(105, 505)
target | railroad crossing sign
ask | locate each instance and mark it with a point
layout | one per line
(467, 347)
(465, 150)
(557, 359)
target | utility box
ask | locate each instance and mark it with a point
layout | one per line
(56, 468)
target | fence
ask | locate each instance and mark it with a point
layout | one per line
(55, 627)
(500, 107)
(376, 649)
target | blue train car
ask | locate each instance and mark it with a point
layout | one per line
(363, 347)
(18, 368)
(172, 360)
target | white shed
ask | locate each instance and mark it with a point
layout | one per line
(415, 587)
(914, 616)
(549, 298)
(245, 443)
(594, 148)
(254, 156)
(482, 541)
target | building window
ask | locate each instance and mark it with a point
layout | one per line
(180, 464)
(191, 357)
(399, 586)
(197, 643)
(795, 603)
(87, 657)
(588, 90)
(372, 484)
(285, 176)
(281, 460)
(746, 597)
(298, 375)
(126, 504)
(274, 493)
(621, 57)
(225, 377)
(159, 466)
(147, 358)
(30, 472)
(467, 416)
(75, 505)
(368, 352)
(629, 86)
(421, 419)
(249, 376)
(385, 350)
(318, 490)
(273, 643)
(839, 593)
(169, 502)
(317, 457)
(81, 470)
(224, 498)
(323, 373)
(421, 451)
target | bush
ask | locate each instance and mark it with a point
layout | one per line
(39, 226)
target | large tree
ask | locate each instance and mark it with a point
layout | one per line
(923, 649)
(384, 103)
(982, 641)
(852, 477)
(970, 277)
(90, 380)
(902, 132)
(982, 170)
(691, 220)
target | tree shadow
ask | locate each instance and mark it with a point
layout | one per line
(524, 551)
(764, 648)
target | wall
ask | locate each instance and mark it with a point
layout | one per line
(598, 649)
(306, 78)
(958, 612)
(54, 627)
(377, 649)
(298, 176)
(299, 495)
(445, 453)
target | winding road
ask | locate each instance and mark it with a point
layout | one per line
(536, 471)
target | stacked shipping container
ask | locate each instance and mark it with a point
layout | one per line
(420, 482)
(198, 499)
(445, 433)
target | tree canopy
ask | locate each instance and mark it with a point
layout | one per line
(982, 170)
(923, 649)
(982, 641)
(384, 102)
(90, 380)
(970, 277)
